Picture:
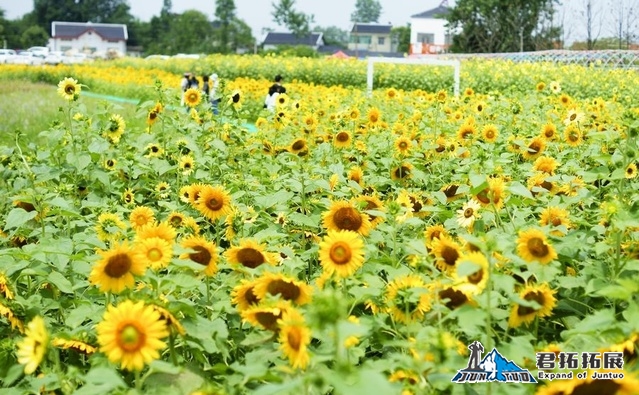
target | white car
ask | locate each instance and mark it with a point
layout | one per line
(79, 58)
(7, 56)
(44, 51)
(28, 57)
(56, 57)
(161, 57)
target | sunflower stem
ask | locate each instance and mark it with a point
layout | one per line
(208, 296)
(172, 348)
(138, 382)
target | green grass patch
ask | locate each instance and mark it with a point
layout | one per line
(31, 108)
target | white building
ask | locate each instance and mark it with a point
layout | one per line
(93, 38)
(428, 32)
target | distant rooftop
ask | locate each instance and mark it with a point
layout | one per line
(108, 31)
(435, 13)
(371, 28)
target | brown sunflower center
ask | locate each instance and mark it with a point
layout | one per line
(468, 212)
(402, 171)
(214, 203)
(294, 338)
(118, 265)
(342, 137)
(573, 137)
(176, 221)
(534, 147)
(130, 338)
(202, 256)
(340, 253)
(549, 133)
(286, 289)
(403, 145)
(250, 257)
(476, 277)
(555, 221)
(373, 117)
(250, 297)
(534, 295)
(298, 145)
(451, 191)
(483, 196)
(450, 255)
(490, 134)
(537, 247)
(154, 254)
(69, 89)
(236, 98)
(573, 117)
(455, 298)
(268, 319)
(347, 218)
(153, 115)
(110, 162)
(416, 204)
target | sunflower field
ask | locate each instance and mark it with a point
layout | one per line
(345, 244)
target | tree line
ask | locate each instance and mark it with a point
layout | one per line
(474, 25)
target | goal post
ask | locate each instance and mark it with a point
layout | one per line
(418, 61)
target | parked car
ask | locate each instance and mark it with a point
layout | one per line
(28, 57)
(44, 51)
(56, 57)
(7, 56)
(79, 58)
(162, 57)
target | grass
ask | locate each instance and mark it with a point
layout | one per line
(32, 108)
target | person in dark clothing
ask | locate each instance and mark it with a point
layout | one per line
(206, 89)
(273, 91)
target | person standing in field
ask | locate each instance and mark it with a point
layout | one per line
(213, 97)
(184, 85)
(273, 92)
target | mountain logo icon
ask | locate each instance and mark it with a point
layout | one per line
(493, 367)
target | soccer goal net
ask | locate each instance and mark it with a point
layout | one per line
(417, 61)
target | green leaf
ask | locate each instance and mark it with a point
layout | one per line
(517, 188)
(615, 292)
(302, 219)
(18, 217)
(60, 282)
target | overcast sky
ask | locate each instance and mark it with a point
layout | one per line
(257, 13)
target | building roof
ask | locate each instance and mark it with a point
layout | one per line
(274, 38)
(371, 28)
(108, 31)
(435, 13)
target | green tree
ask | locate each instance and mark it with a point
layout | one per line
(500, 25)
(298, 23)
(191, 32)
(401, 36)
(225, 14)
(333, 35)
(34, 36)
(46, 11)
(366, 11)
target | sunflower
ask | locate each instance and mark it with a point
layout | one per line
(109, 164)
(450, 191)
(151, 117)
(402, 172)
(294, 338)
(204, 253)
(555, 217)
(493, 194)
(490, 133)
(446, 252)
(115, 128)
(192, 97)
(631, 171)
(213, 202)
(407, 298)
(287, 288)
(243, 295)
(115, 270)
(471, 273)
(574, 117)
(540, 86)
(356, 174)
(154, 252)
(546, 164)
(235, 99)
(4, 287)
(141, 216)
(169, 319)
(190, 226)
(8, 314)
(298, 146)
(266, 315)
(163, 188)
(154, 150)
(539, 182)
(131, 334)
(466, 131)
(109, 227)
(374, 116)
(403, 376)
(535, 148)
(555, 87)
(532, 245)
(342, 139)
(452, 296)
(190, 193)
(403, 145)
(345, 216)
(186, 164)
(76, 345)
(261, 123)
(468, 92)
(573, 136)
(128, 197)
(162, 230)
(391, 93)
(341, 252)
(525, 314)
(249, 254)
(69, 89)
(371, 203)
(32, 349)
(434, 232)
(549, 131)
(468, 214)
